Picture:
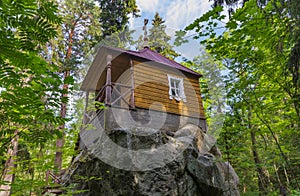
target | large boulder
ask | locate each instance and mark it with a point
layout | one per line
(194, 166)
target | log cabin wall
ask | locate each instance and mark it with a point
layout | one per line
(152, 90)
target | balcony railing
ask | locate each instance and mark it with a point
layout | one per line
(120, 96)
(111, 94)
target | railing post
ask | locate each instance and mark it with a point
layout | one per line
(108, 80)
(85, 120)
(132, 103)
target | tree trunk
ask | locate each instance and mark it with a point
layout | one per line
(8, 172)
(63, 109)
(262, 173)
(60, 141)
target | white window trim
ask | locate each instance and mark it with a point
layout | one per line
(181, 96)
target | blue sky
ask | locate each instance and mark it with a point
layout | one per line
(177, 14)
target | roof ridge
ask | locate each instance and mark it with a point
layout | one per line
(156, 57)
(171, 60)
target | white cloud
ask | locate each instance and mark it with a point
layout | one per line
(148, 5)
(177, 14)
(131, 21)
(180, 13)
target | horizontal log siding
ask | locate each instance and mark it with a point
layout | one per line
(150, 68)
(152, 88)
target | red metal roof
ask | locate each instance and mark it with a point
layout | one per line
(151, 55)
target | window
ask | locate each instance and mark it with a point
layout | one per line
(176, 89)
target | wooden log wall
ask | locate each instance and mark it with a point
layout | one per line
(152, 89)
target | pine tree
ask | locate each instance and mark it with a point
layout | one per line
(158, 38)
(114, 15)
(212, 89)
(77, 36)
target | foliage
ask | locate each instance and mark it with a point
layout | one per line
(29, 85)
(180, 38)
(77, 33)
(120, 39)
(42, 53)
(257, 45)
(114, 15)
(30, 93)
(212, 89)
(158, 39)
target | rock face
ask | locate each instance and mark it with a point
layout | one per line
(195, 170)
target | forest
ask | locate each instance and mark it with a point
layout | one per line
(250, 60)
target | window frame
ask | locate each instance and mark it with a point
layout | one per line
(176, 88)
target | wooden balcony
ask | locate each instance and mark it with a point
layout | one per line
(111, 94)
(120, 96)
